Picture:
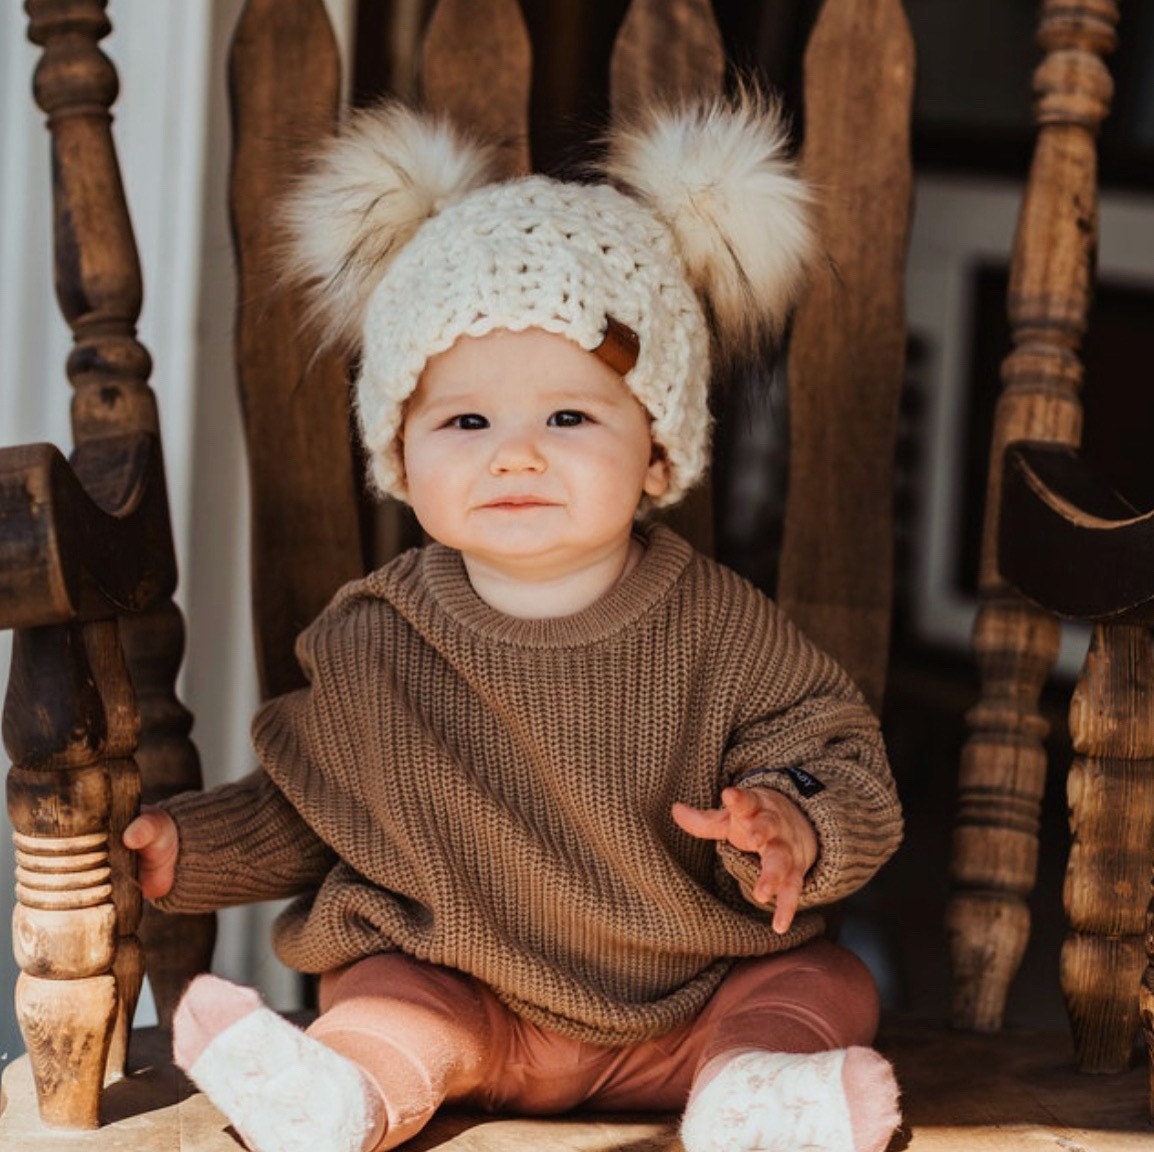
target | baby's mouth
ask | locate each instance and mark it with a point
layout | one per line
(518, 502)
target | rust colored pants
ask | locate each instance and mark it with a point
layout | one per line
(428, 1035)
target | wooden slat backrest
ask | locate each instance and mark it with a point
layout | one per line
(665, 53)
(306, 532)
(848, 347)
(477, 67)
(74, 783)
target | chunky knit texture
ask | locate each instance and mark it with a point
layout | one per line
(538, 253)
(697, 237)
(493, 793)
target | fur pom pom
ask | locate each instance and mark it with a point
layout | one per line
(368, 190)
(720, 176)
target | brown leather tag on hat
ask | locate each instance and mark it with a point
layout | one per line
(620, 347)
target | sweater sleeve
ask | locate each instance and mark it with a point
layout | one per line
(811, 736)
(240, 843)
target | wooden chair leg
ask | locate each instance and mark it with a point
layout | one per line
(176, 947)
(1001, 779)
(99, 290)
(1146, 998)
(106, 661)
(60, 801)
(1111, 799)
(1051, 273)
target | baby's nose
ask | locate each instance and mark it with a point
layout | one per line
(517, 454)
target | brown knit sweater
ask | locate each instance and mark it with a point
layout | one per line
(493, 793)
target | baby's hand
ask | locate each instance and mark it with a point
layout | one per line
(153, 836)
(764, 821)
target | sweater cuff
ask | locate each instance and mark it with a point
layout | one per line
(855, 834)
(745, 867)
(231, 832)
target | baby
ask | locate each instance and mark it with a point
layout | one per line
(563, 798)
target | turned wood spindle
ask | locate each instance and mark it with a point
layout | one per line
(106, 661)
(64, 934)
(98, 286)
(1111, 800)
(1003, 764)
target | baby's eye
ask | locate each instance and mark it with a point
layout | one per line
(566, 418)
(469, 422)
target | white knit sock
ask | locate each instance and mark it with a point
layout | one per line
(782, 1102)
(283, 1091)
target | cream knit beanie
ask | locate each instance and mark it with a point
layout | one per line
(407, 244)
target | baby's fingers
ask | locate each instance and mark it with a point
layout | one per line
(705, 823)
(780, 881)
(149, 829)
(788, 899)
(153, 836)
(740, 801)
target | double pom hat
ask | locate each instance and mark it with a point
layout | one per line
(696, 237)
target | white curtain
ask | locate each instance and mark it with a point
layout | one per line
(172, 135)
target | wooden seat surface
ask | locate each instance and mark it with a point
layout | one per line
(1014, 1092)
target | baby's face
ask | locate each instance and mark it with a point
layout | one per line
(527, 453)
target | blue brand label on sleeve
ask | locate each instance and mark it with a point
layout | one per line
(806, 784)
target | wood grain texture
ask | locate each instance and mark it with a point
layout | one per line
(1060, 521)
(476, 69)
(176, 947)
(284, 73)
(1003, 763)
(98, 283)
(72, 789)
(122, 726)
(995, 842)
(666, 52)
(1016, 1092)
(57, 732)
(1146, 1000)
(84, 541)
(1110, 793)
(848, 348)
(64, 555)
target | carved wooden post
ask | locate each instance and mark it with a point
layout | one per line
(64, 927)
(1111, 798)
(1003, 763)
(121, 722)
(70, 719)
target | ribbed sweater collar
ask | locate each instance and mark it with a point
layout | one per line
(665, 558)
